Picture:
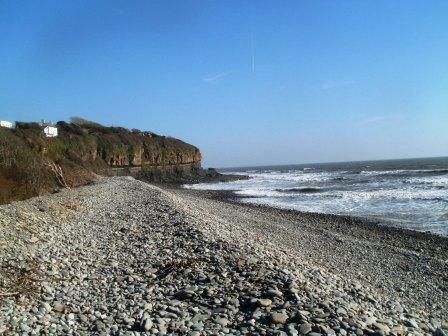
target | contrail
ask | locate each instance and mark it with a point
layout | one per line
(252, 50)
(216, 77)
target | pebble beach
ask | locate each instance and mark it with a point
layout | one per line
(123, 257)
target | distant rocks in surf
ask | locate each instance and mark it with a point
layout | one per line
(307, 190)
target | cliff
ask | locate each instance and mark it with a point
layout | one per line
(32, 164)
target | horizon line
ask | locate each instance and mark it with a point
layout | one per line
(332, 162)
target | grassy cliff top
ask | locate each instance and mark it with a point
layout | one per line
(31, 163)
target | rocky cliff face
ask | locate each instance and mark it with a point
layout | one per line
(31, 164)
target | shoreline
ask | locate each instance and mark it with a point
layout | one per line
(358, 246)
(228, 196)
(123, 255)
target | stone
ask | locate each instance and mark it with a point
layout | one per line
(368, 320)
(265, 302)
(274, 293)
(292, 330)
(222, 321)
(25, 328)
(184, 294)
(412, 323)
(399, 330)
(439, 332)
(341, 311)
(377, 333)
(33, 239)
(382, 327)
(147, 324)
(58, 307)
(305, 328)
(47, 306)
(279, 318)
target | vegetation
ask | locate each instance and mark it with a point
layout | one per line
(29, 160)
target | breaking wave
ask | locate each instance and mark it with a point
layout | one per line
(416, 197)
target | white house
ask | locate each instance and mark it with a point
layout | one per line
(51, 131)
(6, 124)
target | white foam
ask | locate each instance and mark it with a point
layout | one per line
(400, 171)
(259, 193)
(415, 201)
(436, 181)
(397, 194)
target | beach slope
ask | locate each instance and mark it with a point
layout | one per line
(121, 255)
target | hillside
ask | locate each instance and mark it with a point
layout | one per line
(32, 164)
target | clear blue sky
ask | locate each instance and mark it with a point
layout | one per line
(248, 82)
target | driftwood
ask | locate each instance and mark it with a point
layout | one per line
(57, 170)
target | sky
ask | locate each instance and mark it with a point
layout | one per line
(248, 82)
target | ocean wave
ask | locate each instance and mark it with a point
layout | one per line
(403, 172)
(395, 194)
(411, 196)
(305, 190)
(436, 181)
(294, 177)
(435, 199)
(258, 193)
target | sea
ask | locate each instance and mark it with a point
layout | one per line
(407, 193)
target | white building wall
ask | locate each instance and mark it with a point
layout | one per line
(7, 124)
(51, 131)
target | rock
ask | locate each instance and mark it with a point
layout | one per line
(328, 331)
(279, 318)
(59, 307)
(25, 328)
(264, 302)
(368, 320)
(439, 332)
(412, 323)
(222, 321)
(99, 326)
(377, 333)
(273, 293)
(147, 324)
(184, 294)
(33, 239)
(292, 330)
(382, 327)
(341, 311)
(46, 306)
(257, 314)
(305, 328)
(399, 330)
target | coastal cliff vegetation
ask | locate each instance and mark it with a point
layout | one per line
(32, 164)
